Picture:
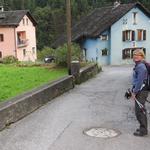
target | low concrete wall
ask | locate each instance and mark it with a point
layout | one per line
(87, 73)
(20, 106)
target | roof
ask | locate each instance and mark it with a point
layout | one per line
(13, 18)
(99, 21)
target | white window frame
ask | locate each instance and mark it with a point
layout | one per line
(128, 52)
(104, 37)
(134, 18)
(105, 52)
(128, 35)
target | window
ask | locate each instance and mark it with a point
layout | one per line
(84, 53)
(104, 37)
(104, 52)
(23, 21)
(27, 21)
(33, 50)
(21, 38)
(134, 18)
(24, 52)
(141, 35)
(1, 37)
(128, 35)
(128, 52)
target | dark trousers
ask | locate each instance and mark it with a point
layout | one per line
(141, 117)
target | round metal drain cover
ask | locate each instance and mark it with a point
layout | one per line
(102, 132)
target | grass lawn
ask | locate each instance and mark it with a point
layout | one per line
(16, 80)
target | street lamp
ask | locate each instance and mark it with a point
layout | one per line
(68, 15)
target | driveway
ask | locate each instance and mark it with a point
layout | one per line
(61, 124)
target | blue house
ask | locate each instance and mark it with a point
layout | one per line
(109, 35)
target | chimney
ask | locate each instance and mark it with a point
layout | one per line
(116, 4)
(1, 8)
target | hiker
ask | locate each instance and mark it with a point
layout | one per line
(139, 92)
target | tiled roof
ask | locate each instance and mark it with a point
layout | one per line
(13, 18)
(98, 21)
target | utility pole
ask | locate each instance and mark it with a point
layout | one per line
(68, 6)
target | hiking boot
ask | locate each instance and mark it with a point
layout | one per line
(137, 130)
(138, 133)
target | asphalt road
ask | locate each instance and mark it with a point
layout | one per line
(60, 124)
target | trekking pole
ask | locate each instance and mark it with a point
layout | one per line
(140, 106)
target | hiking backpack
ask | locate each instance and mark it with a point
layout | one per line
(148, 76)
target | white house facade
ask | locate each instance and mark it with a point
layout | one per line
(115, 46)
(109, 35)
(130, 32)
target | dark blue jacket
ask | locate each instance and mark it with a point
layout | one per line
(139, 76)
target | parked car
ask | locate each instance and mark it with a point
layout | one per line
(49, 59)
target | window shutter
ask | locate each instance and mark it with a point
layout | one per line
(133, 36)
(144, 34)
(144, 50)
(123, 54)
(1, 37)
(139, 35)
(123, 35)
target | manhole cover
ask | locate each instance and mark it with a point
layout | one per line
(102, 132)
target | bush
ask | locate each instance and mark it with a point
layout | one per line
(61, 54)
(9, 59)
(46, 51)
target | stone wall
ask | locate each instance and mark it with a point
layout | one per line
(20, 106)
(87, 73)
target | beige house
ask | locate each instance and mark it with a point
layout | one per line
(18, 35)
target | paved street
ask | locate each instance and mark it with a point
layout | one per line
(60, 124)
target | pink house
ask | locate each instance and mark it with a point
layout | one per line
(18, 35)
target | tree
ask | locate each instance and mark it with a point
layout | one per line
(51, 22)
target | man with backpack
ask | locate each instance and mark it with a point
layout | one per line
(139, 91)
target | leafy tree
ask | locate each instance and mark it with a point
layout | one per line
(56, 4)
(51, 22)
(46, 51)
(41, 3)
(45, 19)
(61, 54)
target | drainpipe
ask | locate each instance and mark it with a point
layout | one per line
(15, 43)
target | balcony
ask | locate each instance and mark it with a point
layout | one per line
(22, 43)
